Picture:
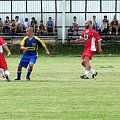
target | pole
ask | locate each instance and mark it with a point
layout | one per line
(63, 22)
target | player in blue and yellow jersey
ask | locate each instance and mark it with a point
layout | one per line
(29, 45)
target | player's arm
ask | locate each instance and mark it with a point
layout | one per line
(81, 38)
(24, 48)
(46, 50)
(43, 45)
(23, 44)
(7, 49)
(99, 46)
(99, 39)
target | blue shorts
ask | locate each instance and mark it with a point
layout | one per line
(25, 60)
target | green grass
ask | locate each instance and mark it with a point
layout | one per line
(56, 92)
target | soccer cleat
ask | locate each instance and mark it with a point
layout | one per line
(16, 79)
(84, 77)
(7, 78)
(28, 78)
(94, 75)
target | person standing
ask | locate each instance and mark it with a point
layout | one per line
(29, 45)
(92, 44)
(3, 63)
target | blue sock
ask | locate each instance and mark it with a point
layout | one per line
(19, 74)
(28, 73)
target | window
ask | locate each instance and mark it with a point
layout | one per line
(78, 6)
(93, 6)
(33, 6)
(19, 6)
(5, 6)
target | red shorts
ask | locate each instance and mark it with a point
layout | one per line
(88, 53)
(3, 63)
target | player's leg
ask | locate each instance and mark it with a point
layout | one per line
(23, 63)
(90, 54)
(85, 63)
(84, 60)
(19, 72)
(3, 65)
(86, 57)
(30, 66)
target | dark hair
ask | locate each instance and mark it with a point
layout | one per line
(105, 16)
(41, 21)
(26, 19)
(13, 20)
(33, 18)
(7, 17)
(16, 16)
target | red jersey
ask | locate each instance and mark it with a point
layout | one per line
(3, 63)
(2, 43)
(91, 37)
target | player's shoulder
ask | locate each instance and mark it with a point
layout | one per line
(84, 29)
(36, 37)
(25, 37)
(92, 30)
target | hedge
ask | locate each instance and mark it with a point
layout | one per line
(70, 49)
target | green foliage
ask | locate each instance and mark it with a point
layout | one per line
(70, 48)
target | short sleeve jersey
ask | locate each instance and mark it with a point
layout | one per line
(32, 45)
(91, 37)
(2, 43)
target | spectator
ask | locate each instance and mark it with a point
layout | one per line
(26, 24)
(1, 25)
(114, 25)
(70, 33)
(6, 25)
(41, 29)
(103, 28)
(13, 27)
(33, 24)
(75, 25)
(107, 22)
(18, 25)
(94, 23)
(50, 26)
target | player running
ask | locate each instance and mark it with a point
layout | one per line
(3, 64)
(29, 45)
(92, 44)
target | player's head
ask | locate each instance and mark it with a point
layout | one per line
(29, 31)
(88, 24)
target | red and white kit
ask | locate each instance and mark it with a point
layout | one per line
(91, 37)
(3, 63)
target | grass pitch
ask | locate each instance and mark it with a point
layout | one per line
(56, 91)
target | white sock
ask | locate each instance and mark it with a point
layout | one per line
(86, 72)
(92, 71)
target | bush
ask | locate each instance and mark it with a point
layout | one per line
(69, 49)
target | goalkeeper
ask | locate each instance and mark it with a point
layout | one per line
(29, 45)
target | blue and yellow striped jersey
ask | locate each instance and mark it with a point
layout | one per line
(32, 45)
